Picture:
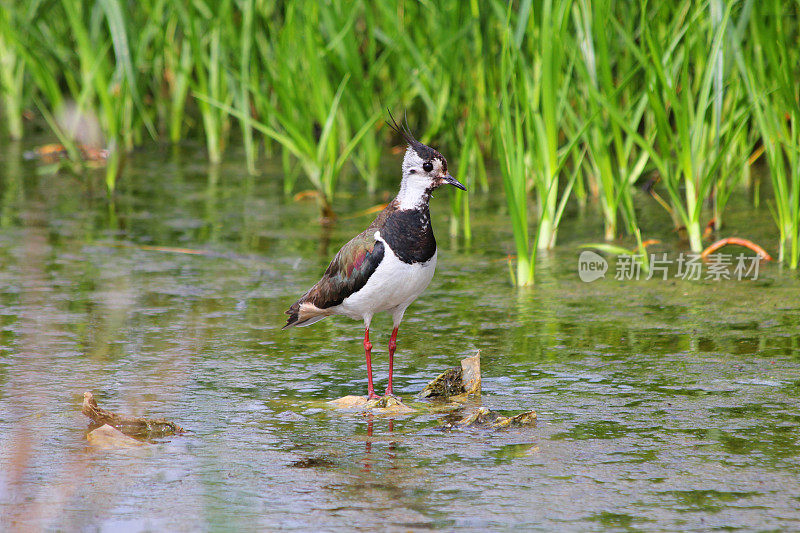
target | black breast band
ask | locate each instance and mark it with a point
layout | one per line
(409, 234)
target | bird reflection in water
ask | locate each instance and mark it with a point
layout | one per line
(391, 454)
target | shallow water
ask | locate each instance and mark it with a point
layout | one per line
(662, 405)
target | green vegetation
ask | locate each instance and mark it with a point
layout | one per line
(576, 100)
(776, 112)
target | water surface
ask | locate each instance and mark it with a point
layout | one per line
(662, 405)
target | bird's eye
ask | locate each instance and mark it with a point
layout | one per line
(427, 166)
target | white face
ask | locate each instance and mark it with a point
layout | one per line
(419, 173)
(420, 176)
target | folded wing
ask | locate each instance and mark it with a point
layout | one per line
(347, 273)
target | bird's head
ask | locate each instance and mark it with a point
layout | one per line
(424, 168)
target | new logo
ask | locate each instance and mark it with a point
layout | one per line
(591, 266)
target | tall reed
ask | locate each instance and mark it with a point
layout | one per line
(679, 50)
(207, 27)
(12, 70)
(564, 94)
(773, 60)
(536, 73)
(616, 162)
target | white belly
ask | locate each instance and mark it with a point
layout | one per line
(392, 287)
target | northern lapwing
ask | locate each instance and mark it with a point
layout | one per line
(388, 265)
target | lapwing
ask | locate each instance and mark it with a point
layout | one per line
(388, 265)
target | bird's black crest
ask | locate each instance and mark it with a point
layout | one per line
(425, 152)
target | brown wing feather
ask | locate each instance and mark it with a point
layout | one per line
(347, 273)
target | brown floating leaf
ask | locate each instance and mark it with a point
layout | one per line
(306, 195)
(369, 211)
(736, 240)
(755, 155)
(134, 426)
(152, 248)
(52, 153)
(649, 242)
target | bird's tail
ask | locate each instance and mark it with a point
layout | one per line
(303, 315)
(293, 318)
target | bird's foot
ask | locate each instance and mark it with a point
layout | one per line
(372, 396)
(384, 402)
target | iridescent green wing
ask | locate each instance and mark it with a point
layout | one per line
(348, 272)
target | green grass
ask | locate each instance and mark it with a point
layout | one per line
(614, 161)
(574, 100)
(681, 51)
(776, 113)
(12, 70)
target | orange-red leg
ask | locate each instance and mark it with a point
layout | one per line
(392, 348)
(368, 351)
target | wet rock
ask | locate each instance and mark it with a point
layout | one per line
(481, 417)
(313, 462)
(143, 428)
(388, 404)
(383, 405)
(349, 402)
(290, 416)
(460, 381)
(109, 437)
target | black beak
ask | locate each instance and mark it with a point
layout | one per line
(454, 182)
